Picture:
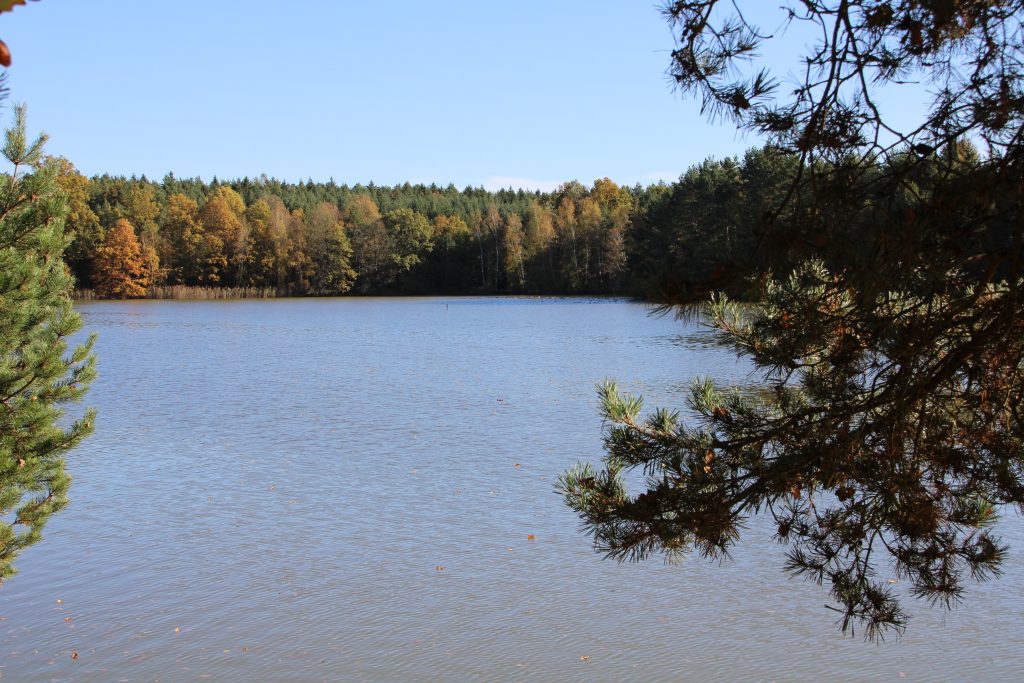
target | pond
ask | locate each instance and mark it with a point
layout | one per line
(363, 490)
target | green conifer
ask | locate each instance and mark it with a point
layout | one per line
(38, 376)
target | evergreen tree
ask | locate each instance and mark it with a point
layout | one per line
(37, 375)
(888, 316)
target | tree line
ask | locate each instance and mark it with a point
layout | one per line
(310, 238)
(131, 235)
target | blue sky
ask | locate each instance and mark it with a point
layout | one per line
(529, 93)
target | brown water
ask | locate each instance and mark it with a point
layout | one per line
(273, 487)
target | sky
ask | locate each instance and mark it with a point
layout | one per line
(472, 92)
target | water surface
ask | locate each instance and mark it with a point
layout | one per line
(344, 489)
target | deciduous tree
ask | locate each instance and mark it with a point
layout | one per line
(329, 251)
(122, 271)
(82, 224)
(512, 241)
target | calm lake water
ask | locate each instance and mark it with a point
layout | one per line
(274, 486)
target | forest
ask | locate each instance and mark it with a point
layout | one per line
(186, 238)
(706, 232)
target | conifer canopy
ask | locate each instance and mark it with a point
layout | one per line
(39, 373)
(886, 317)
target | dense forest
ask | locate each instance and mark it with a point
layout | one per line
(135, 237)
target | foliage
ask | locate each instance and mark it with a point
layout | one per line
(8, 5)
(82, 224)
(386, 240)
(888, 318)
(37, 378)
(330, 251)
(122, 271)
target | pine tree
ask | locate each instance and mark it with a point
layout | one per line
(887, 316)
(37, 376)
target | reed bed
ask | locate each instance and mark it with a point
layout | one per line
(195, 293)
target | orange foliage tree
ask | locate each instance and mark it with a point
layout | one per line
(122, 271)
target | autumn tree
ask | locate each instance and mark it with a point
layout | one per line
(566, 229)
(512, 247)
(121, 268)
(39, 374)
(617, 207)
(279, 222)
(449, 235)
(538, 238)
(887, 315)
(180, 230)
(365, 227)
(222, 218)
(493, 225)
(329, 251)
(300, 267)
(259, 267)
(589, 228)
(81, 224)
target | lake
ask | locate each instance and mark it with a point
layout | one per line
(363, 490)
